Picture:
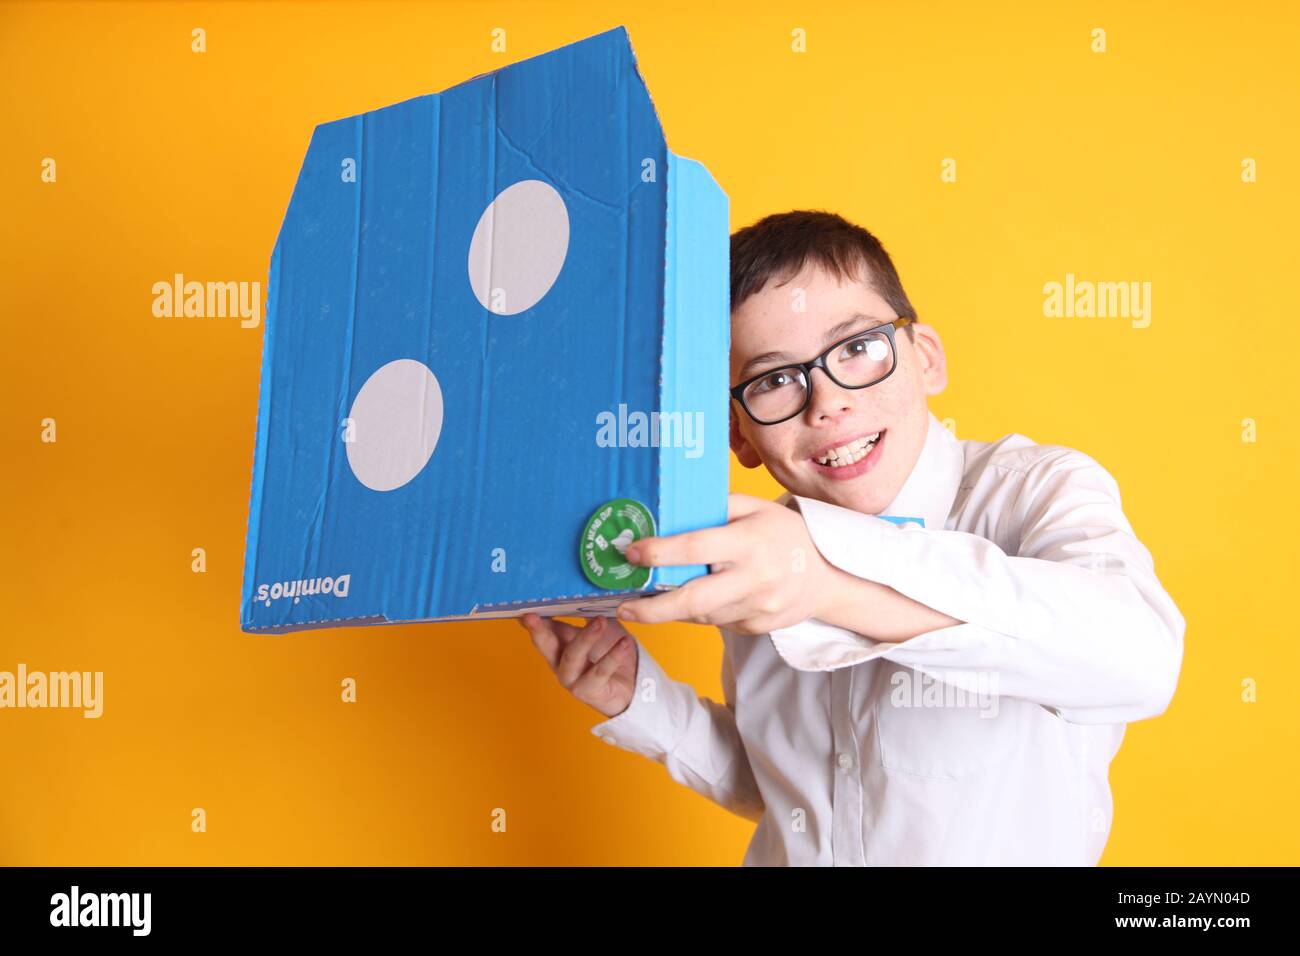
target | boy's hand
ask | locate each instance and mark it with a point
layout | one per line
(595, 663)
(767, 571)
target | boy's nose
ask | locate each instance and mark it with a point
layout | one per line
(828, 398)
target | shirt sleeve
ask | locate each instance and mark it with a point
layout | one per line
(694, 737)
(1076, 621)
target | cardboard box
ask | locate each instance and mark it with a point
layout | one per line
(491, 311)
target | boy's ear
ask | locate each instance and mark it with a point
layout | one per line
(743, 449)
(928, 349)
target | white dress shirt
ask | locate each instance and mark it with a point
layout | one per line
(987, 742)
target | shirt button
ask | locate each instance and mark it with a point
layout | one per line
(845, 761)
(608, 739)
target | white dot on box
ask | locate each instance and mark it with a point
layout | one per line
(518, 247)
(396, 420)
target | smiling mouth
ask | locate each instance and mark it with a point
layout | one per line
(852, 459)
(849, 453)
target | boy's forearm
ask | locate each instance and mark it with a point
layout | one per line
(875, 610)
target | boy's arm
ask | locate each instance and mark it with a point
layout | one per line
(847, 601)
(694, 737)
(1077, 621)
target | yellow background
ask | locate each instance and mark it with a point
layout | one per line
(1118, 166)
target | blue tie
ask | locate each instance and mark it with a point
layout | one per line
(897, 519)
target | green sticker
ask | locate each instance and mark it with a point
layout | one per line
(614, 526)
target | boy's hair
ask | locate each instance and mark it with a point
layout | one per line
(778, 246)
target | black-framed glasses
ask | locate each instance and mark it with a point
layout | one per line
(863, 359)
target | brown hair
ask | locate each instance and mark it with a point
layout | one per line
(778, 246)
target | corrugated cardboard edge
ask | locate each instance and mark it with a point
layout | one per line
(261, 435)
(693, 353)
(599, 604)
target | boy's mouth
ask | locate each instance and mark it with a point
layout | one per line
(849, 459)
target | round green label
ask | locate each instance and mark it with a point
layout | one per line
(609, 531)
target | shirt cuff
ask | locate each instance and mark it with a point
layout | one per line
(862, 549)
(814, 645)
(863, 545)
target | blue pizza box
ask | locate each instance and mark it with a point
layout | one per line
(492, 313)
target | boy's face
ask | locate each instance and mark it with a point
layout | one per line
(770, 321)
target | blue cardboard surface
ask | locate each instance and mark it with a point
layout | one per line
(465, 287)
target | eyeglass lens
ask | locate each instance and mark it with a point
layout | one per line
(857, 363)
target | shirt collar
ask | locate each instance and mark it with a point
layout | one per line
(931, 488)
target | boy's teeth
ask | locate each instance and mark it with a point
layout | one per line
(849, 454)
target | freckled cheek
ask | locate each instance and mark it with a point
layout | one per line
(778, 443)
(884, 403)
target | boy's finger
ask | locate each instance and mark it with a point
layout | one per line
(573, 659)
(706, 546)
(544, 638)
(564, 630)
(607, 640)
(599, 674)
(695, 599)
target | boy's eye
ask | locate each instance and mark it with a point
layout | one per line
(779, 379)
(855, 349)
(869, 346)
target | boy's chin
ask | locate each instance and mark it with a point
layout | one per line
(859, 494)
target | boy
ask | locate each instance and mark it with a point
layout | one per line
(943, 685)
